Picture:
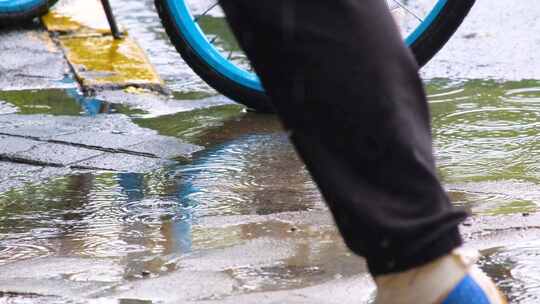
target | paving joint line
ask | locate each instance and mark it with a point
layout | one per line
(36, 138)
(26, 161)
(42, 164)
(89, 147)
(78, 167)
(103, 149)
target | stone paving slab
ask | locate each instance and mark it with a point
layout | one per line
(100, 139)
(44, 65)
(164, 147)
(36, 126)
(124, 163)
(57, 154)
(112, 123)
(11, 145)
(356, 289)
(179, 287)
(57, 145)
(37, 132)
(102, 132)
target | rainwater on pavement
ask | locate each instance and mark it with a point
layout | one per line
(242, 216)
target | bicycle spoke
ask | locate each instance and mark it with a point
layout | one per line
(209, 15)
(220, 61)
(403, 6)
(196, 19)
(407, 13)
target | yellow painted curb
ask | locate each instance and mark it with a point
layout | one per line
(107, 62)
(99, 60)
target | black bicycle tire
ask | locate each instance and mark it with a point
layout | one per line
(18, 18)
(441, 30)
(424, 48)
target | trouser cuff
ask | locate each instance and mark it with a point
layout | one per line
(442, 246)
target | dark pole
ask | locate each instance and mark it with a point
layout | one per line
(110, 17)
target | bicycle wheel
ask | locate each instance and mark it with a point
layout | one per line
(198, 30)
(14, 12)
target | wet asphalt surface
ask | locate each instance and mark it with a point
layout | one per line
(136, 197)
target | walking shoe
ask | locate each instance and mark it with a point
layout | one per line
(451, 279)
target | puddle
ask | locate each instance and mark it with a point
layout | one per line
(516, 269)
(51, 101)
(255, 173)
(88, 215)
(485, 130)
(197, 126)
(148, 225)
(150, 108)
(139, 227)
(66, 102)
(492, 203)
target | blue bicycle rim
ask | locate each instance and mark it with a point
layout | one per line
(422, 27)
(197, 40)
(19, 6)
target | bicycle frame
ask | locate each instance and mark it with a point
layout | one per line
(110, 18)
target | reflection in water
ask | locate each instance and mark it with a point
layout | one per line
(102, 215)
(51, 101)
(144, 221)
(70, 102)
(147, 223)
(517, 271)
(487, 130)
(253, 174)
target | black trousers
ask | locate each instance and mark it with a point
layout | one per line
(348, 91)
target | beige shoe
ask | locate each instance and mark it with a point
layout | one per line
(451, 279)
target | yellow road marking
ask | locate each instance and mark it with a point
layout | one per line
(104, 61)
(99, 60)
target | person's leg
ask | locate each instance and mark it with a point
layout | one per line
(348, 91)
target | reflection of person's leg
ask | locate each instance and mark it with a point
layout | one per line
(349, 92)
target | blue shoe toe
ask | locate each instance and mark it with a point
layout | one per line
(467, 292)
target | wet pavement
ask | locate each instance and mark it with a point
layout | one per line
(98, 60)
(495, 41)
(44, 65)
(131, 196)
(42, 134)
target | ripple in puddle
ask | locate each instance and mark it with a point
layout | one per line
(516, 269)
